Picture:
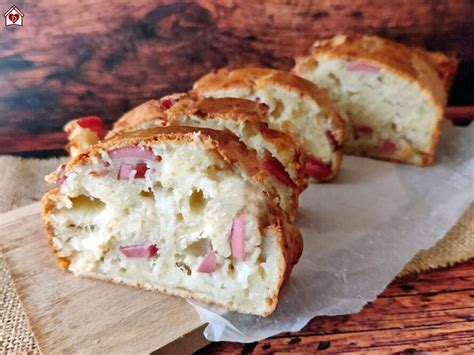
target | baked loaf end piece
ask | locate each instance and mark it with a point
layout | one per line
(245, 118)
(296, 107)
(393, 95)
(178, 210)
(82, 133)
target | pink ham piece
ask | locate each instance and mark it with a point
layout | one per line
(166, 103)
(361, 67)
(316, 168)
(133, 153)
(363, 129)
(126, 169)
(237, 236)
(388, 147)
(208, 264)
(275, 168)
(93, 123)
(139, 251)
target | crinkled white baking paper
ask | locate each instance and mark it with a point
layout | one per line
(359, 232)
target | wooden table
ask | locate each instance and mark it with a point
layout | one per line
(72, 59)
(433, 311)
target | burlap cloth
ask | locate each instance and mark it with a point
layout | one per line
(21, 183)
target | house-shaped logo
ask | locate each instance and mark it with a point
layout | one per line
(13, 17)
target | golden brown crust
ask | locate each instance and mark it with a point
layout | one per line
(251, 79)
(232, 151)
(80, 139)
(445, 66)
(48, 203)
(149, 110)
(182, 104)
(432, 72)
(226, 108)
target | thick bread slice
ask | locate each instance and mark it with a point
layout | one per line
(242, 117)
(297, 107)
(180, 210)
(394, 95)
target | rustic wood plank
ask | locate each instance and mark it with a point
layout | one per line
(433, 311)
(78, 64)
(72, 315)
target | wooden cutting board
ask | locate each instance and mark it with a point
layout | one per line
(73, 315)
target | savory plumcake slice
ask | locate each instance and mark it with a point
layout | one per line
(185, 211)
(296, 107)
(394, 95)
(82, 133)
(246, 119)
(147, 112)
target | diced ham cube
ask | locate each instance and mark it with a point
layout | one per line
(139, 251)
(133, 153)
(316, 168)
(237, 236)
(208, 264)
(275, 168)
(362, 67)
(126, 169)
(93, 123)
(388, 147)
(166, 103)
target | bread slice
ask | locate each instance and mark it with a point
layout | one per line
(393, 95)
(297, 107)
(185, 211)
(242, 117)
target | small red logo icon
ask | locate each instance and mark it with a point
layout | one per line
(13, 17)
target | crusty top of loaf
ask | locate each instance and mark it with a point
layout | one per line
(233, 109)
(253, 78)
(148, 111)
(435, 77)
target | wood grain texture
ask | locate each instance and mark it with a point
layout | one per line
(72, 315)
(432, 312)
(73, 58)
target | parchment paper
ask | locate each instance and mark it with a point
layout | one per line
(358, 233)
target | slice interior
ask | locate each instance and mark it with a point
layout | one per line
(173, 215)
(389, 117)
